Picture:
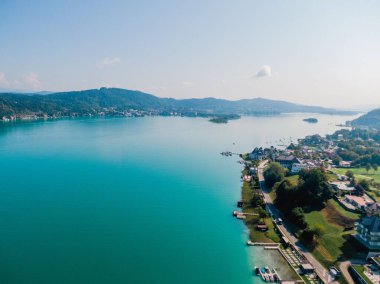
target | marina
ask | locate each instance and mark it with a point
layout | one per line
(267, 274)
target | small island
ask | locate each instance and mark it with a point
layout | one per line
(311, 120)
(224, 118)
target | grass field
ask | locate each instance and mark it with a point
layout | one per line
(251, 221)
(333, 244)
(360, 173)
(342, 211)
(360, 270)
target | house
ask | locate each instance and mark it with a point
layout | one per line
(253, 170)
(360, 202)
(342, 177)
(297, 167)
(287, 161)
(373, 209)
(258, 154)
(344, 164)
(368, 232)
(342, 186)
(305, 165)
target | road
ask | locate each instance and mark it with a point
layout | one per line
(319, 268)
(344, 268)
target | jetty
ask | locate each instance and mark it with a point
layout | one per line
(236, 213)
(228, 153)
(270, 245)
(267, 274)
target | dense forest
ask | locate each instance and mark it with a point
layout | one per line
(114, 101)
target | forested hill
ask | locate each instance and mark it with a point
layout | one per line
(370, 120)
(114, 101)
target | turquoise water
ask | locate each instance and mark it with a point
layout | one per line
(145, 200)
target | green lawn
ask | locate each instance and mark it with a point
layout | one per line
(360, 270)
(251, 221)
(343, 211)
(360, 173)
(329, 248)
(332, 245)
(375, 193)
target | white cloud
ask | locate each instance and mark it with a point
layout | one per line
(3, 80)
(32, 80)
(264, 71)
(108, 62)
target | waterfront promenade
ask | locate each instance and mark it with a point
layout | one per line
(284, 230)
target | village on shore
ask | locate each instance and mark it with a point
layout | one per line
(317, 203)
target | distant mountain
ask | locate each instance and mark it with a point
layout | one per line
(17, 91)
(369, 120)
(114, 101)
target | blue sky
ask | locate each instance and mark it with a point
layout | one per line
(313, 52)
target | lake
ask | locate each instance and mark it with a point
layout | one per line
(131, 200)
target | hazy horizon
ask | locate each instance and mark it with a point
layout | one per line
(315, 53)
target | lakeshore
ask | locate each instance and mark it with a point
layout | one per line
(323, 207)
(86, 180)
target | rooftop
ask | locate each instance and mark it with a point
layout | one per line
(372, 223)
(360, 200)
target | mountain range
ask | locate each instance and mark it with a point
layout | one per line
(369, 120)
(115, 101)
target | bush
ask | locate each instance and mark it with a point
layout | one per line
(274, 173)
(307, 237)
(297, 216)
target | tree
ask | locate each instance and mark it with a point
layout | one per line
(359, 190)
(318, 231)
(374, 166)
(297, 216)
(350, 174)
(307, 236)
(286, 195)
(262, 213)
(364, 184)
(337, 160)
(274, 173)
(314, 188)
(257, 199)
(368, 167)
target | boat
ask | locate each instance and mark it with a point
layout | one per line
(262, 273)
(269, 275)
(257, 270)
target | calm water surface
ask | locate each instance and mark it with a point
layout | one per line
(145, 200)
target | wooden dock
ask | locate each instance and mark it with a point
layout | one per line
(265, 245)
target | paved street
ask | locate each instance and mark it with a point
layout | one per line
(319, 268)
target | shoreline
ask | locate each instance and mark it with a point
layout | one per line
(268, 240)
